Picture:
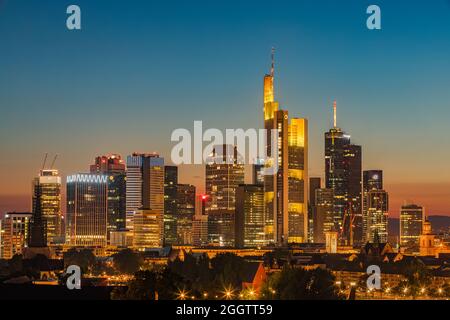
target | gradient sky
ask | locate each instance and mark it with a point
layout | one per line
(140, 69)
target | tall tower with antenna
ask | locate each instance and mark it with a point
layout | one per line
(275, 185)
(343, 172)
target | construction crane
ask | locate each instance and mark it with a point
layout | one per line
(45, 160)
(54, 160)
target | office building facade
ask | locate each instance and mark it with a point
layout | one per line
(377, 216)
(170, 204)
(323, 214)
(87, 210)
(148, 229)
(298, 181)
(145, 184)
(114, 167)
(14, 233)
(185, 213)
(224, 173)
(372, 180)
(46, 203)
(249, 217)
(412, 218)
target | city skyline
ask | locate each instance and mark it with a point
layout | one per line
(80, 123)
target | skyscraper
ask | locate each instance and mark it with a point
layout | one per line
(148, 229)
(200, 223)
(298, 180)
(145, 184)
(14, 233)
(185, 213)
(323, 214)
(276, 185)
(200, 230)
(377, 215)
(114, 167)
(372, 180)
(48, 186)
(343, 175)
(412, 218)
(249, 218)
(224, 172)
(38, 224)
(353, 156)
(314, 184)
(170, 204)
(87, 210)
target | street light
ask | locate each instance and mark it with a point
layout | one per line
(228, 293)
(182, 295)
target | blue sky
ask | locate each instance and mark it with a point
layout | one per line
(139, 69)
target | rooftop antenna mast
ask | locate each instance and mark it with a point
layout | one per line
(272, 69)
(335, 113)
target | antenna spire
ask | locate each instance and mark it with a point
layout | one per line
(335, 113)
(272, 69)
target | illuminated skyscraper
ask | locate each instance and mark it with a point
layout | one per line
(353, 157)
(323, 214)
(170, 204)
(145, 184)
(276, 185)
(372, 180)
(377, 215)
(14, 233)
(185, 213)
(298, 181)
(148, 229)
(343, 175)
(412, 218)
(114, 167)
(200, 230)
(249, 219)
(48, 215)
(224, 172)
(87, 210)
(285, 191)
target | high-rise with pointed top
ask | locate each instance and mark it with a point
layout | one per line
(343, 175)
(286, 190)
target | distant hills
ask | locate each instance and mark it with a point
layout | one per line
(438, 223)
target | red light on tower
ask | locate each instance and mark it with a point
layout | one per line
(203, 197)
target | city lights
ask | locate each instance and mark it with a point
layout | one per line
(182, 295)
(322, 177)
